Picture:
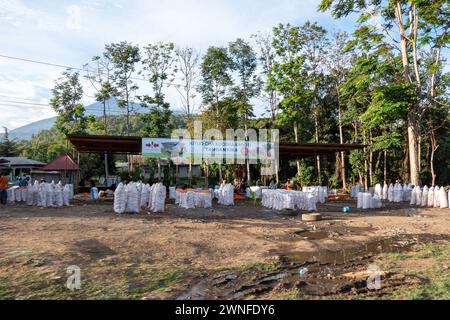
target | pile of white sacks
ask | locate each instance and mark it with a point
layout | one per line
(192, 199)
(136, 195)
(365, 200)
(435, 197)
(226, 194)
(42, 194)
(289, 199)
(320, 192)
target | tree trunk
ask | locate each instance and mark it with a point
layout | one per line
(206, 174)
(413, 129)
(159, 170)
(220, 173)
(319, 171)
(296, 140)
(412, 146)
(366, 187)
(247, 162)
(341, 140)
(434, 147)
(190, 172)
(106, 168)
(370, 159)
(385, 167)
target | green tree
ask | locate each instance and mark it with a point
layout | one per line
(66, 102)
(267, 59)
(99, 73)
(216, 80)
(215, 84)
(289, 77)
(249, 85)
(124, 57)
(158, 66)
(8, 148)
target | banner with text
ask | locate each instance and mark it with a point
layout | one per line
(181, 150)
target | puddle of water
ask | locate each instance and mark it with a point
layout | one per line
(345, 255)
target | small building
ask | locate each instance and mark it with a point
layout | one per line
(19, 166)
(62, 168)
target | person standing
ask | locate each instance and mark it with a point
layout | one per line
(3, 187)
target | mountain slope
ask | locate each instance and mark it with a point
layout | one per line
(25, 132)
(96, 109)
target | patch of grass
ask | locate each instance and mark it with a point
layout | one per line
(436, 284)
(437, 289)
(260, 266)
(397, 256)
(432, 250)
(157, 282)
(6, 292)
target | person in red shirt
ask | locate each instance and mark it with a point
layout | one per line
(3, 187)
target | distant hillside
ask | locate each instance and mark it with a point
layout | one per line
(96, 109)
(26, 132)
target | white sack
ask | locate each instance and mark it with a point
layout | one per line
(424, 201)
(120, 199)
(443, 199)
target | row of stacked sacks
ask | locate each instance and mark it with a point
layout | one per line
(435, 197)
(393, 192)
(289, 199)
(134, 196)
(42, 194)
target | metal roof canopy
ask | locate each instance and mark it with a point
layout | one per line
(132, 145)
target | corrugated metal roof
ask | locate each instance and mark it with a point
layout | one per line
(132, 145)
(21, 161)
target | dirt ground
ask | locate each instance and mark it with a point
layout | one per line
(238, 252)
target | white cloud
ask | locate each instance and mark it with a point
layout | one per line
(73, 21)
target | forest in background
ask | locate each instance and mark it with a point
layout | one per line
(386, 85)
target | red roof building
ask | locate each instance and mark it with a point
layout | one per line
(63, 163)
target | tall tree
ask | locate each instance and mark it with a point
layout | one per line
(314, 47)
(187, 64)
(187, 68)
(124, 57)
(66, 102)
(99, 74)
(158, 68)
(215, 84)
(248, 85)
(338, 62)
(267, 59)
(289, 77)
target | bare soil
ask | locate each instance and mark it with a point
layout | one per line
(243, 251)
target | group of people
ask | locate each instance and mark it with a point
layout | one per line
(287, 185)
(19, 181)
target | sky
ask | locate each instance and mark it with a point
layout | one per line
(72, 32)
